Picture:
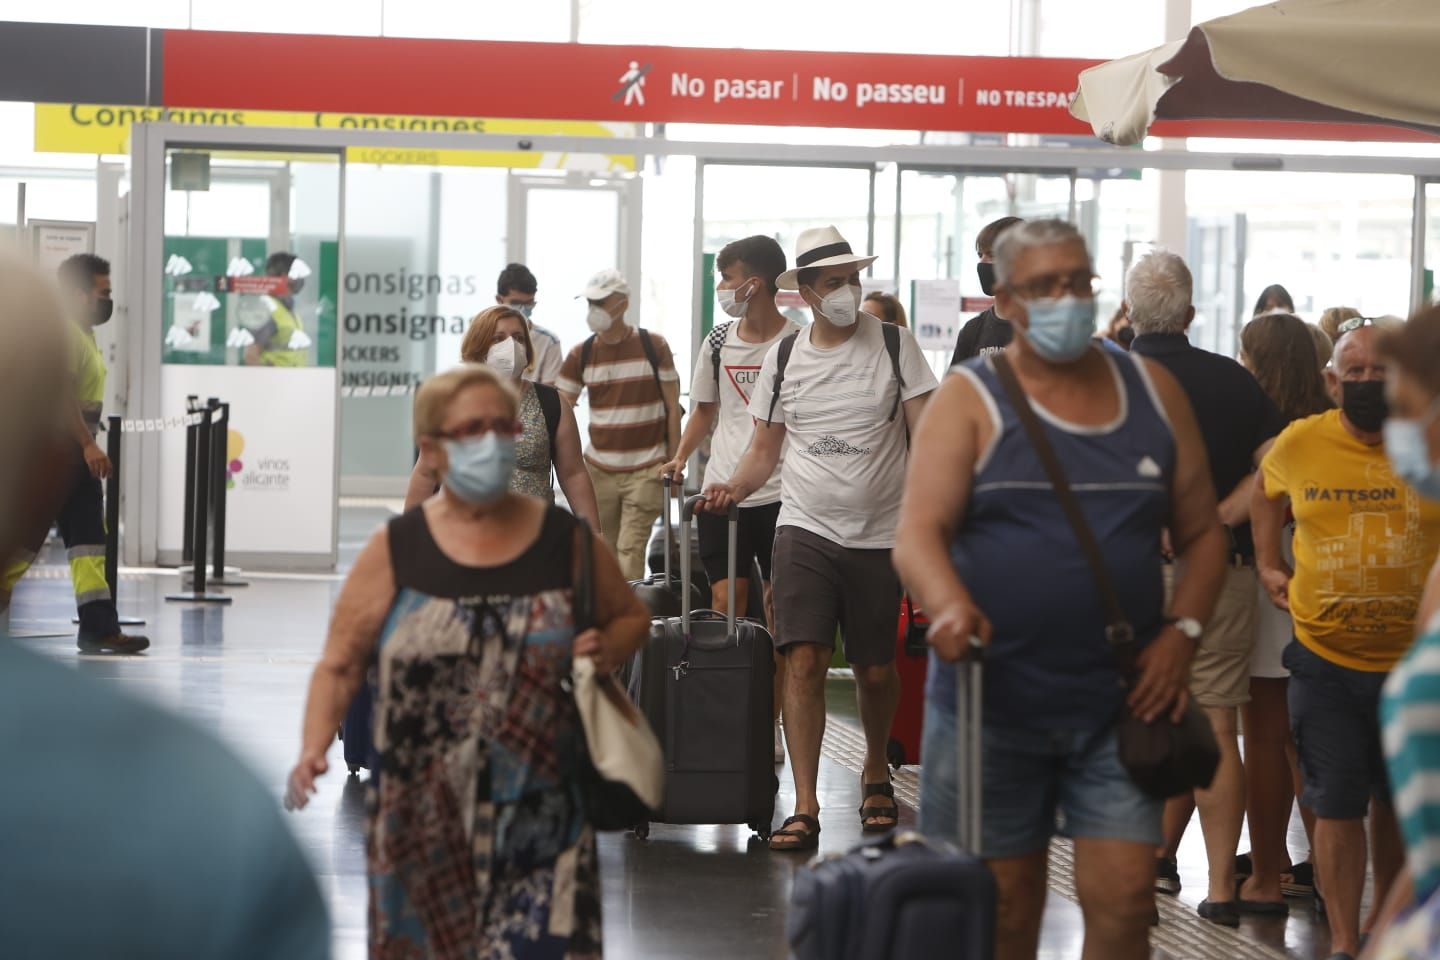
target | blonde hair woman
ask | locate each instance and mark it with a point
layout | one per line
(499, 337)
(461, 612)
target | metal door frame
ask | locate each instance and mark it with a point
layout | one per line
(149, 145)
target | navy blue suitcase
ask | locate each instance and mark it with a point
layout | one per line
(905, 896)
(356, 733)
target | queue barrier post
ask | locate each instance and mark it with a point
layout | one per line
(219, 478)
(113, 450)
(187, 529)
(200, 477)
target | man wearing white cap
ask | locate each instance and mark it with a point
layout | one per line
(634, 416)
(837, 397)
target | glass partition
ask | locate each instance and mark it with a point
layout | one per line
(252, 262)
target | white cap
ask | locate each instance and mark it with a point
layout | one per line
(605, 283)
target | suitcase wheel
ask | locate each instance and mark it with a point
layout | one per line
(642, 831)
(354, 769)
(761, 830)
(895, 753)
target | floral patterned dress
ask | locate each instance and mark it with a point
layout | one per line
(478, 845)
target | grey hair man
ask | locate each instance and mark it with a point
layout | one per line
(979, 519)
(1238, 422)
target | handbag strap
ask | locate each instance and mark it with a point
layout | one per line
(1118, 630)
(583, 590)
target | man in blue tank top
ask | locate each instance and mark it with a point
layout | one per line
(984, 546)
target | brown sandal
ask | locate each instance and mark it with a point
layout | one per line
(870, 812)
(809, 838)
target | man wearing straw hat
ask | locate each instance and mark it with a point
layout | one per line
(838, 398)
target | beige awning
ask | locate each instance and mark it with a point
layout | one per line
(1335, 61)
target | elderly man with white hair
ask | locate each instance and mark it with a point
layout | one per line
(1238, 422)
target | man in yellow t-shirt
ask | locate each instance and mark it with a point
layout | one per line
(1364, 542)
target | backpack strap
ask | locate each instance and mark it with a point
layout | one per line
(549, 399)
(891, 334)
(717, 340)
(586, 350)
(648, 346)
(782, 360)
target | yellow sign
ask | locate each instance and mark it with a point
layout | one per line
(97, 128)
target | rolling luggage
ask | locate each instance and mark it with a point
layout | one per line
(912, 661)
(661, 593)
(356, 735)
(905, 895)
(704, 681)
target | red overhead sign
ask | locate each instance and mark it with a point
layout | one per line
(388, 75)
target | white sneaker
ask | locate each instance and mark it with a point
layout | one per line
(779, 744)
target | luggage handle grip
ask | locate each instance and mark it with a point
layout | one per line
(687, 513)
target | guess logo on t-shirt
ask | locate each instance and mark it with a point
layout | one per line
(743, 379)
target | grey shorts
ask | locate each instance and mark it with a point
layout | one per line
(820, 586)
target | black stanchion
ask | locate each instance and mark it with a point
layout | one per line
(112, 520)
(220, 476)
(187, 529)
(201, 480)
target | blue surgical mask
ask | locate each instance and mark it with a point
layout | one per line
(1061, 327)
(524, 309)
(1410, 454)
(480, 468)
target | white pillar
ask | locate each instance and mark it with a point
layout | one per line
(1170, 197)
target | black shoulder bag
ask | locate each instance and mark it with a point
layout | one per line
(1163, 758)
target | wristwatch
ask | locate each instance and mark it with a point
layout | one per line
(1189, 626)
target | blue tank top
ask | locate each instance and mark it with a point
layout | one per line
(1049, 664)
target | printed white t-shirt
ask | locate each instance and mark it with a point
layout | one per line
(740, 363)
(844, 458)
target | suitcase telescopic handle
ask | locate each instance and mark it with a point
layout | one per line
(969, 718)
(687, 513)
(667, 481)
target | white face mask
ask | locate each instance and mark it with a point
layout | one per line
(841, 307)
(507, 358)
(599, 319)
(729, 303)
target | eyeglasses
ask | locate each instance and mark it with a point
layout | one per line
(479, 427)
(1355, 323)
(1081, 283)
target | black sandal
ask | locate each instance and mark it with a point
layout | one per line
(870, 812)
(809, 838)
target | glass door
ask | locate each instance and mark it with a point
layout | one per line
(241, 259)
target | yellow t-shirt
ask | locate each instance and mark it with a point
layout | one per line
(1364, 543)
(88, 369)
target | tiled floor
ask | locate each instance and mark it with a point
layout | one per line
(692, 892)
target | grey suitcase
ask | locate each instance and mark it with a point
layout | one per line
(660, 592)
(705, 683)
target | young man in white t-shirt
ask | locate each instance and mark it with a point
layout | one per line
(839, 413)
(721, 395)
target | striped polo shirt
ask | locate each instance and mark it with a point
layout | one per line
(627, 410)
(1410, 710)
(1049, 665)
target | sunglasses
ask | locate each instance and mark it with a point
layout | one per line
(1355, 323)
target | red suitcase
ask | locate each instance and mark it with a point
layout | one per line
(912, 661)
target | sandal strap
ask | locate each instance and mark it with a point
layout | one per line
(801, 818)
(886, 789)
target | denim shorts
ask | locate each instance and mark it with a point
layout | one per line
(1335, 719)
(1030, 777)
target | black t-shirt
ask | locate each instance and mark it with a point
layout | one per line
(983, 333)
(1235, 415)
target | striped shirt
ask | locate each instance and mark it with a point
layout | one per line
(628, 424)
(1410, 710)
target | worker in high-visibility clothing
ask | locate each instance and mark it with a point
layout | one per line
(85, 284)
(282, 341)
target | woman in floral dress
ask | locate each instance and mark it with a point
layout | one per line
(478, 846)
